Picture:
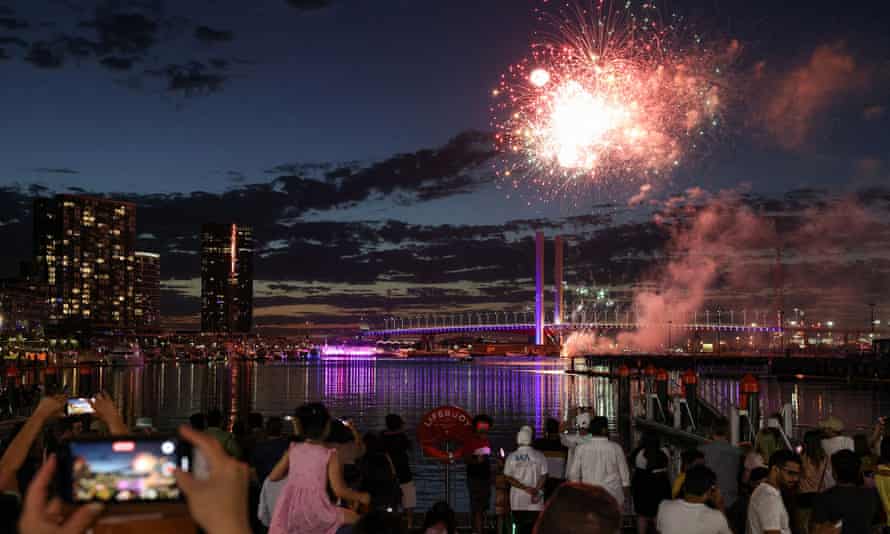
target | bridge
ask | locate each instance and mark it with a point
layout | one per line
(564, 328)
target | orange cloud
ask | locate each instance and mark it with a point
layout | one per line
(796, 102)
(873, 112)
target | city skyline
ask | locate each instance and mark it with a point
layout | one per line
(361, 154)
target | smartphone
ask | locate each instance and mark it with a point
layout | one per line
(119, 469)
(78, 406)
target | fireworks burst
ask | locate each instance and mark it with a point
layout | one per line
(615, 93)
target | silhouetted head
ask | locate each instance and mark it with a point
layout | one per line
(812, 445)
(784, 469)
(254, 421)
(551, 426)
(699, 481)
(578, 508)
(274, 426)
(314, 420)
(394, 422)
(845, 465)
(599, 426)
(214, 418)
(198, 421)
(690, 457)
(721, 429)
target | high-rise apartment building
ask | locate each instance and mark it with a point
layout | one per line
(23, 304)
(84, 252)
(226, 278)
(147, 302)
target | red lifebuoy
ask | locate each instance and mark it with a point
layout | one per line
(443, 431)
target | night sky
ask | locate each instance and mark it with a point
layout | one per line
(356, 138)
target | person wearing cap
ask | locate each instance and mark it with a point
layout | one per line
(832, 442)
(601, 462)
(526, 471)
(571, 441)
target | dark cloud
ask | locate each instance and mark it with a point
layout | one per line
(118, 63)
(3, 54)
(123, 33)
(11, 23)
(44, 56)
(309, 5)
(209, 35)
(56, 170)
(5, 40)
(236, 177)
(118, 34)
(191, 79)
(339, 267)
(77, 47)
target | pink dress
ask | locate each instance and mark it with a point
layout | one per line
(303, 506)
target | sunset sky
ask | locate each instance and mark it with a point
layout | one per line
(356, 138)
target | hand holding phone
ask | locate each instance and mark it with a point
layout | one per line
(41, 515)
(50, 406)
(78, 406)
(217, 502)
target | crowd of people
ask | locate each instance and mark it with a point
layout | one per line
(313, 473)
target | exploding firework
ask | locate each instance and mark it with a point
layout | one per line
(613, 94)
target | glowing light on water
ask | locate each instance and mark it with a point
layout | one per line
(347, 350)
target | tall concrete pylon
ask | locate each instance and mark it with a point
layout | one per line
(558, 297)
(539, 288)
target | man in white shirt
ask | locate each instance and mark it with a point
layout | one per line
(766, 512)
(526, 471)
(600, 462)
(268, 497)
(691, 514)
(833, 442)
(572, 440)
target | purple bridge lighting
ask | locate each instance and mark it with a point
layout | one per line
(563, 328)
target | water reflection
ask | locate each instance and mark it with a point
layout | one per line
(366, 390)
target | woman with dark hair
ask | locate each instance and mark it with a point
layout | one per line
(304, 506)
(650, 483)
(814, 476)
(378, 476)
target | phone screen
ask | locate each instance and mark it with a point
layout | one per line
(77, 406)
(123, 469)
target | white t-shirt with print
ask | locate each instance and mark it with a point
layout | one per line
(529, 467)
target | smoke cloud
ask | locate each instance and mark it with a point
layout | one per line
(723, 252)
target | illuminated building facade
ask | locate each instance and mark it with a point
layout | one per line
(226, 278)
(23, 305)
(148, 291)
(84, 252)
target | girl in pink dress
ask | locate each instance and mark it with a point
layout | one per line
(303, 506)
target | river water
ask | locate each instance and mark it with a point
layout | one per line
(514, 393)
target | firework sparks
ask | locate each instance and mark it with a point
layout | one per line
(615, 94)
